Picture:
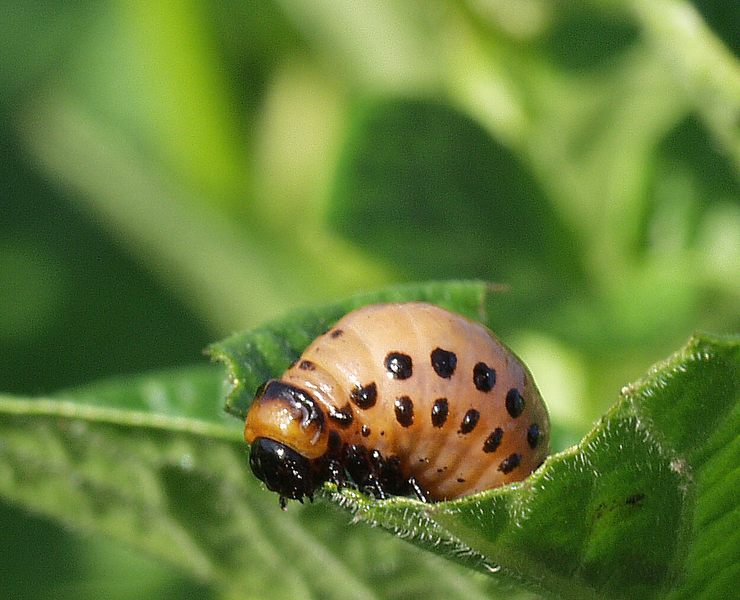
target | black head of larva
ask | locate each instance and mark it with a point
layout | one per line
(289, 437)
(282, 469)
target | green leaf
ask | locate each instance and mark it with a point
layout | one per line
(406, 167)
(253, 357)
(36, 38)
(585, 36)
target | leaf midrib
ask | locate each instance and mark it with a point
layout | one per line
(69, 409)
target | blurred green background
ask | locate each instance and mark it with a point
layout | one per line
(176, 171)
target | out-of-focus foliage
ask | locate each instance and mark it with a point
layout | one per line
(176, 171)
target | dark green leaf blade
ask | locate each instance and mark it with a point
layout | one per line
(408, 192)
(254, 356)
(692, 405)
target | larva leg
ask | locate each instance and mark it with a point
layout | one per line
(420, 493)
(335, 473)
(392, 479)
(357, 465)
(373, 485)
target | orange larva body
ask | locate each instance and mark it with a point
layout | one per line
(435, 393)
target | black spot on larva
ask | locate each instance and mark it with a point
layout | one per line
(365, 431)
(306, 365)
(510, 463)
(493, 441)
(443, 362)
(335, 333)
(460, 480)
(398, 365)
(365, 396)
(514, 403)
(404, 411)
(484, 377)
(439, 412)
(533, 435)
(343, 417)
(382, 433)
(470, 420)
